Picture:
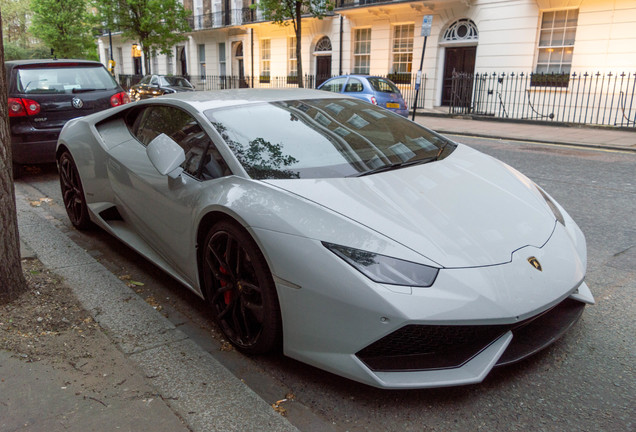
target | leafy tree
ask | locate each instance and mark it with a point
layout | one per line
(284, 12)
(15, 15)
(11, 279)
(156, 24)
(64, 25)
(14, 51)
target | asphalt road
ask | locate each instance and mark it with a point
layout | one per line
(584, 382)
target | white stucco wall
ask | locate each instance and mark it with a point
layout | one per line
(508, 33)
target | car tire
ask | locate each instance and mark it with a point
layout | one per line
(73, 193)
(240, 289)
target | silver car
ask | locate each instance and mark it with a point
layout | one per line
(349, 237)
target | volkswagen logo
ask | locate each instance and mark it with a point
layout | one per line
(535, 263)
(77, 103)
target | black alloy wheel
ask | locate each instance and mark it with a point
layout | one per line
(73, 193)
(240, 289)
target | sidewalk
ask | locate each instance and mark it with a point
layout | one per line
(149, 374)
(583, 136)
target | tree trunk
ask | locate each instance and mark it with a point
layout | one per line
(11, 279)
(299, 34)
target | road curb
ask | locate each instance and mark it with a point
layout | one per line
(196, 386)
(537, 141)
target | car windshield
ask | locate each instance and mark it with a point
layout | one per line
(323, 138)
(67, 79)
(383, 85)
(174, 81)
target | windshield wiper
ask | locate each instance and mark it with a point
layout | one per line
(396, 165)
(86, 90)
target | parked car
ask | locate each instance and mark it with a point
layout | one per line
(44, 94)
(377, 90)
(362, 242)
(156, 85)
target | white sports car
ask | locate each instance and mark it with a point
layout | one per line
(354, 239)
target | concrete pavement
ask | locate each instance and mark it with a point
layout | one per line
(580, 136)
(196, 392)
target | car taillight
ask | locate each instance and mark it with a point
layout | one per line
(374, 101)
(19, 107)
(119, 99)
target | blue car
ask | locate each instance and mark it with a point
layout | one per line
(376, 90)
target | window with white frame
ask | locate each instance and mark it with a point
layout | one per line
(120, 60)
(266, 57)
(155, 63)
(402, 55)
(556, 41)
(222, 67)
(202, 60)
(169, 64)
(292, 64)
(362, 51)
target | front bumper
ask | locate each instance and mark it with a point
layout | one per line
(332, 315)
(431, 347)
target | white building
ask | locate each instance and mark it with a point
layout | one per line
(383, 37)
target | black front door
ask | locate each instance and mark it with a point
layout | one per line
(137, 65)
(323, 69)
(182, 61)
(459, 59)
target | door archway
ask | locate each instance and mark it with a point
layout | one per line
(460, 41)
(322, 55)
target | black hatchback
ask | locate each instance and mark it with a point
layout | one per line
(45, 94)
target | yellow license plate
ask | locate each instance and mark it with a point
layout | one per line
(392, 105)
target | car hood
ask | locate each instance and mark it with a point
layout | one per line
(467, 210)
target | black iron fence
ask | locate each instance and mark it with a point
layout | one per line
(586, 98)
(405, 82)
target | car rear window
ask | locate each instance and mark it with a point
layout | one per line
(383, 85)
(63, 79)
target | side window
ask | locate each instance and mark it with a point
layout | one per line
(154, 80)
(335, 85)
(354, 85)
(203, 161)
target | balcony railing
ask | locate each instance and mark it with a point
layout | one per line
(224, 18)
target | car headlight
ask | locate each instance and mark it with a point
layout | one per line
(385, 269)
(553, 207)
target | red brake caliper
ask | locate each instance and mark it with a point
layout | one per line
(227, 296)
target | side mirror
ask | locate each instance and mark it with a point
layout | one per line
(166, 155)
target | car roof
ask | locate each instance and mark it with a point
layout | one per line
(50, 62)
(10, 65)
(205, 100)
(358, 76)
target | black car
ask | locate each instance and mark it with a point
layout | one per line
(156, 85)
(44, 94)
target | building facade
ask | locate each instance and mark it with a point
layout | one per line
(511, 38)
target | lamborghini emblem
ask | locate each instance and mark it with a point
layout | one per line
(535, 263)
